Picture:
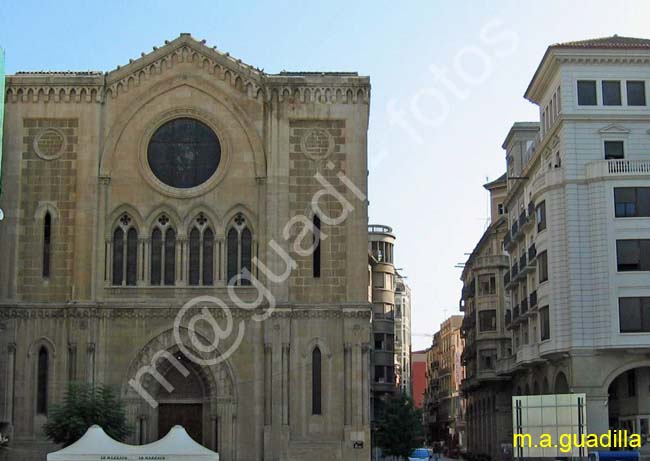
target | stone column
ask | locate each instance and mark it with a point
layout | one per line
(90, 367)
(268, 377)
(180, 263)
(347, 384)
(9, 387)
(286, 383)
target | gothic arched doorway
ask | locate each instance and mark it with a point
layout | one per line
(184, 403)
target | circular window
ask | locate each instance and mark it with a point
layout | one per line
(183, 153)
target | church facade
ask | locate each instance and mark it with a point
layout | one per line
(192, 231)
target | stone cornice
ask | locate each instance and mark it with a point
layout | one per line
(40, 311)
(308, 87)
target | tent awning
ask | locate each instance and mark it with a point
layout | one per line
(96, 445)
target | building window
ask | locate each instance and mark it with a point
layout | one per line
(125, 252)
(42, 381)
(47, 240)
(542, 266)
(378, 279)
(487, 320)
(487, 284)
(587, 93)
(195, 256)
(614, 150)
(316, 382)
(500, 209)
(611, 93)
(635, 93)
(163, 253)
(634, 314)
(207, 268)
(633, 255)
(544, 323)
(184, 153)
(316, 242)
(239, 252)
(201, 252)
(540, 213)
(632, 202)
(487, 359)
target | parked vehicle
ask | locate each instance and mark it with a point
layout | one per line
(419, 454)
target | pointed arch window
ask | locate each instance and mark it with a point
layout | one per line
(316, 255)
(316, 382)
(163, 252)
(125, 252)
(201, 257)
(47, 242)
(239, 251)
(42, 381)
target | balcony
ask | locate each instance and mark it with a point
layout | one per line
(490, 261)
(524, 306)
(533, 299)
(532, 254)
(507, 240)
(514, 270)
(618, 167)
(514, 229)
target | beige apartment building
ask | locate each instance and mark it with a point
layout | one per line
(444, 414)
(483, 301)
(183, 175)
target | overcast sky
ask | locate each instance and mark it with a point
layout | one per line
(447, 83)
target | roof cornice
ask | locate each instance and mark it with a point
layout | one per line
(306, 87)
(555, 56)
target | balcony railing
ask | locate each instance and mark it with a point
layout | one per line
(618, 167)
(523, 219)
(524, 306)
(515, 269)
(533, 299)
(532, 253)
(522, 261)
(514, 229)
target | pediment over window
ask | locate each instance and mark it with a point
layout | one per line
(614, 129)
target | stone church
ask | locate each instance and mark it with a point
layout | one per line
(192, 231)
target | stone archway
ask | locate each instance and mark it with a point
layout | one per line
(164, 387)
(561, 384)
(628, 401)
(185, 402)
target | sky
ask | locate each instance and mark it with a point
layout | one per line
(447, 78)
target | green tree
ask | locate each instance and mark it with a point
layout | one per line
(84, 405)
(400, 427)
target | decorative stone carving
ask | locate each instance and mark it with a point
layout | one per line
(317, 143)
(50, 143)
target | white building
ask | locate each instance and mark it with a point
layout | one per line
(403, 334)
(579, 241)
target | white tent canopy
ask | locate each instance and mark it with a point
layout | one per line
(96, 445)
